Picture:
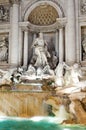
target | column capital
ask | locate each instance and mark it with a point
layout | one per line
(15, 1)
(61, 22)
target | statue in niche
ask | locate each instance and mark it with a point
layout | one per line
(84, 47)
(53, 61)
(1, 11)
(4, 13)
(4, 49)
(40, 52)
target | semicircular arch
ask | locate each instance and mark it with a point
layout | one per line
(31, 6)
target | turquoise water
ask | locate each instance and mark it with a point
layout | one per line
(35, 124)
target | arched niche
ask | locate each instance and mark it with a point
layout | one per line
(54, 3)
(43, 15)
(49, 28)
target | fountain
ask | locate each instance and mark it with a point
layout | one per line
(43, 97)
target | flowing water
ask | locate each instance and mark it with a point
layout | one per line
(36, 123)
(30, 104)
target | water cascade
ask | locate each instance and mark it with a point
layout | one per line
(42, 91)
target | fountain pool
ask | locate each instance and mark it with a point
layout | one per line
(37, 123)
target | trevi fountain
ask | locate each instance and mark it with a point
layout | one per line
(42, 64)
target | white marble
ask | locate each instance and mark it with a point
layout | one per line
(61, 45)
(68, 41)
(70, 33)
(25, 61)
(57, 43)
(15, 36)
(20, 46)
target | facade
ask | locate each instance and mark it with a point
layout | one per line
(63, 23)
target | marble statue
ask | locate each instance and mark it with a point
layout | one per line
(40, 51)
(67, 75)
(3, 49)
(84, 47)
(72, 74)
(59, 72)
(39, 72)
(4, 13)
(6, 75)
(47, 70)
(53, 60)
(31, 70)
(1, 12)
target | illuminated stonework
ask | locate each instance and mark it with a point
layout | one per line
(43, 15)
(61, 21)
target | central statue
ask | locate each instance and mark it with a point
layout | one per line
(40, 51)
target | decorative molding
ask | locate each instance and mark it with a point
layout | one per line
(60, 22)
(83, 7)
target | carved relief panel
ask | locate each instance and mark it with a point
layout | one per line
(4, 44)
(83, 6)
(83, 43)
(4, 13)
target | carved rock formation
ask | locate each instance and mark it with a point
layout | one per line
(76, 106)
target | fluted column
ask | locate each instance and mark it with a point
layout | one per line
(70, 33)
(15, 34)
(10, 36)
(61, 46)
(25, 62)
(57, 43)
(78, 37)
(20, 46)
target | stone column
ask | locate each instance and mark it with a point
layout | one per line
(61, 45)
(70, 33)
(10, 35)
(15, 34)
(78, 38)
(25, 62)
(20, 46)
(57, 43)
